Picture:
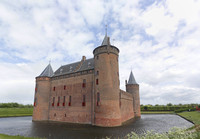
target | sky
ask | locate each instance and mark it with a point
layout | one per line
(159, 40)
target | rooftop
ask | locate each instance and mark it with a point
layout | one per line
(132, 79)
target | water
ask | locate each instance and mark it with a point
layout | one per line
(25, 127)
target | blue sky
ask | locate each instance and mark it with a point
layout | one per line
(158, 40)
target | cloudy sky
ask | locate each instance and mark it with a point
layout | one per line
(158, 39)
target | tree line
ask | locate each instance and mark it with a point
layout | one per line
(170, 107)
(15, 105)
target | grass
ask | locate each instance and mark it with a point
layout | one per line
(12, 112)
(193, 116)
(157, 112)
(3, 136)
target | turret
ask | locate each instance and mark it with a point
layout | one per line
(133, 87)
(106, 85)
(42, 92)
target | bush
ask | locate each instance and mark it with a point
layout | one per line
(174, 133)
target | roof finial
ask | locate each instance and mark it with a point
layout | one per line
(106, 29)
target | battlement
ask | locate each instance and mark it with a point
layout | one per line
(106, 49)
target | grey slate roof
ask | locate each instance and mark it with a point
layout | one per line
(106, 40)
(74, 67)
(131, 79)
(48, 72)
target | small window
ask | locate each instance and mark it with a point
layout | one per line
(83, 103)
(84, 83)
(65, 115)
(58, 101)
(97, 81)
(97, 57)
(64, 87)
(98, 99)
(64, 101)
(70, 100)
(54, 114)
(97, 73)
(35, 101)
(54, 88)
(53, 101)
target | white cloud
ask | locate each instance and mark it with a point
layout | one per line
(158, 40)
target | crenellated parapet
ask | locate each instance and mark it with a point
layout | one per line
(106, 49)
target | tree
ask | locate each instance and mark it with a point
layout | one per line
(169, 104)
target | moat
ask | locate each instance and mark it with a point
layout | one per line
(25, 127)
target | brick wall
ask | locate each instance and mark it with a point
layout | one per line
(126, 105)
(76, 111)
(41, 108)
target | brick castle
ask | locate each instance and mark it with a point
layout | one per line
(87, 91)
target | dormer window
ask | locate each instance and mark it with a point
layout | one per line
(70, 68)
(61, 70)
(89, 64)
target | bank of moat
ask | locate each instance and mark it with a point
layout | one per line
(87, 91)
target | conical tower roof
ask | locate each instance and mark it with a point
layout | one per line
(106, 41)
(131, 79)
(48, 72)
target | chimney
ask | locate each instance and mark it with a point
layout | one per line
(83, 58)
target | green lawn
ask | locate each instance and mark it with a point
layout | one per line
(10, 112)
(157, 112)
(3, 136)
(193, 116)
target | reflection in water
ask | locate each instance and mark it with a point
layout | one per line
(25, 127)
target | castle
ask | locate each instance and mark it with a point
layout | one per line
(87, 91)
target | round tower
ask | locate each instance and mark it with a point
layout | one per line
(106, 85)
(133, 88)
(42, 92)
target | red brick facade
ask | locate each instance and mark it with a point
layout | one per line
(91, 96)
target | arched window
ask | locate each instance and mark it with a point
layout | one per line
(58, 101)
(84, 83)
(54, 88)
(70, 100)
(83, 103)
(64, 101)
(35, 101)
(53, 101)
(97, 81)
(98, 99)
(64, 87)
